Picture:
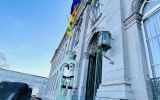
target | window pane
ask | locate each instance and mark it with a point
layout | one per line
(147, 28)
(154, 50)
(97, 10)
(157, 22)
(152, 25)
(150, 5)
(156, 71)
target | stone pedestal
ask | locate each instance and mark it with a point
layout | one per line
(114, 85)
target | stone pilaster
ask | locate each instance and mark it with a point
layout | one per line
(137, 62)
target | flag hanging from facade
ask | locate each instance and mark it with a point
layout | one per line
(74, 4)
(72, 16)
(69, 29)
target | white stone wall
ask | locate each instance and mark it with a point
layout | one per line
(127, 78)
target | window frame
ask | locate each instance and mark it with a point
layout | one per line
(97, 9)
(96, 4)
(145, 16)
(77, 32)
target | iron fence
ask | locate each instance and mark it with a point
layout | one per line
(155, 82)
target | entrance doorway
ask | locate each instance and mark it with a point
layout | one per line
(94, 76)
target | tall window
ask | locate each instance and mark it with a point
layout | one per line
(65, 51)
(95, 11)
(97, 8)
(151, 21)
(77, 32)
(76, 37)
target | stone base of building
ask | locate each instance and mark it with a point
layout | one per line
(115, 92)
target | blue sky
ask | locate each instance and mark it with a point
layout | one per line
(30, 31)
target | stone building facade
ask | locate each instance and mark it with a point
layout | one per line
(37, 83)
(129, 70)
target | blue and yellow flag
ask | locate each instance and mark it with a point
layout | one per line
(74, 4)
(72, 16)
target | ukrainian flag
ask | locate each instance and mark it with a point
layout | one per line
(69, 29)
(72, 16)
(74, 4)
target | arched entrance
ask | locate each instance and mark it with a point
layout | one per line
(94, 69)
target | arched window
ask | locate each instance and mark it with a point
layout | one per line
(151, 25)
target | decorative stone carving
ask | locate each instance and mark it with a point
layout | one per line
(85, 55)
(136, 5)
(68, 71)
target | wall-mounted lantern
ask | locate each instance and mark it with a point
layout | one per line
(104, 40)
(104, 43)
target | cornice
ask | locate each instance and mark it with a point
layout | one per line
(81, 8)
(12, 71)
(134, 18)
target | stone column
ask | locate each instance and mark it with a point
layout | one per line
(83, 77)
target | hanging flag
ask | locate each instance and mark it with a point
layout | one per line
(74, 4)
(72, 16)
(69, 29)
(69, 32)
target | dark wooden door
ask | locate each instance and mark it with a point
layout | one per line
(94, 75)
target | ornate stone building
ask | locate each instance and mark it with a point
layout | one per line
(37, 83)
(129, 70)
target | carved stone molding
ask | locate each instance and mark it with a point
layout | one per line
(136, 5)
(85, 55)
(134, 18)
(81, 8)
